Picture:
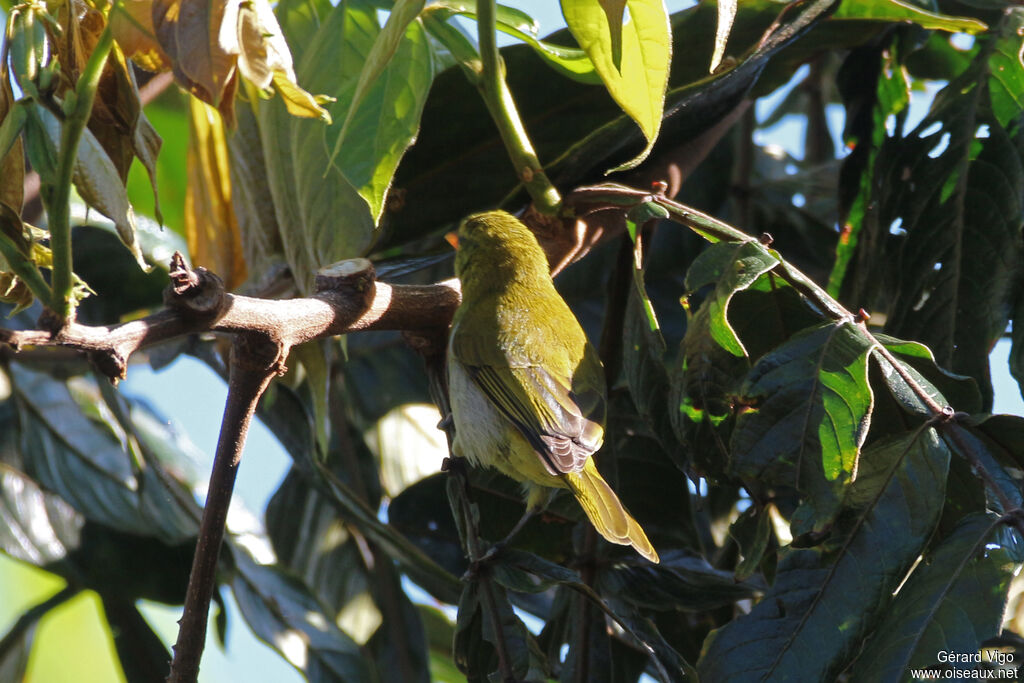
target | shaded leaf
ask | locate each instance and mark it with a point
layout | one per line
(953, 601)
(37, 527)
(825, 599)
(99, 183)
(679, 582)
(142, 654)
(91, 464)
(960, 173)
(283, 614)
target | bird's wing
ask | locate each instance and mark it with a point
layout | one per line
(562, 424)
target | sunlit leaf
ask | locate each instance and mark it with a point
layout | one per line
(131, 22)
(898, 10)
(383, 113)
(726, 15)
(731, 268)
(639, 85)
(809, 410)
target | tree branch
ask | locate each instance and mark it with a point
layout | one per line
(348, 300)
(255, 360)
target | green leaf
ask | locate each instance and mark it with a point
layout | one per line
(825, 599)
(282, 613)
(93, 464)
(732, 268)
(142, 654)
(383, 112)
(752, 531)
(810, 406)
(679, 582)
(327, 219)
(1006, 70)
(569, 61)
(954, 271)
(99, 184)
(35, 526)
(643, 366)
(917, 361)
(486, 618)
(638, 84)
(900, 11)
(874, 87)
(953, 601)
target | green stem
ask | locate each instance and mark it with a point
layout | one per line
(502, 108)
(59, 205)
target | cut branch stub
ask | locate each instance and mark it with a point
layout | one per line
(354, 275)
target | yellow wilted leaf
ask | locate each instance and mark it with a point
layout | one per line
(211, 230)
(131, 22)
(297, 101)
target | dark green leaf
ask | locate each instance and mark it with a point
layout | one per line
(918, 363)
(92, 464)
(752, 530)
(281, 612)
(953, 184)
(141, 652)
(953, 601)
(825, 599)
(810, 406)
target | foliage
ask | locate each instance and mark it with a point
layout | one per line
(827, 490)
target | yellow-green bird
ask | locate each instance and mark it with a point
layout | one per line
(527, 388)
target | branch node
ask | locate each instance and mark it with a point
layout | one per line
(659, 188)
(862, 316)
(111, 363)
(766, 239)
(198, 292)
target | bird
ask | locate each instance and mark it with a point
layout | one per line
(526, 388)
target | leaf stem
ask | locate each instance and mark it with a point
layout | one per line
(58, 205)
(502, 108)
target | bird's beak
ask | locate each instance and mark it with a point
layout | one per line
(452, 238)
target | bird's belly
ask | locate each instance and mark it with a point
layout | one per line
(486, 438)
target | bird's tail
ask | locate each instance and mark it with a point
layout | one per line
(605, 510)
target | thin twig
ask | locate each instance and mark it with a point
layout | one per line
(254, 363)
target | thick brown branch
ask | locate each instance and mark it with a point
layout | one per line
(362, 305)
